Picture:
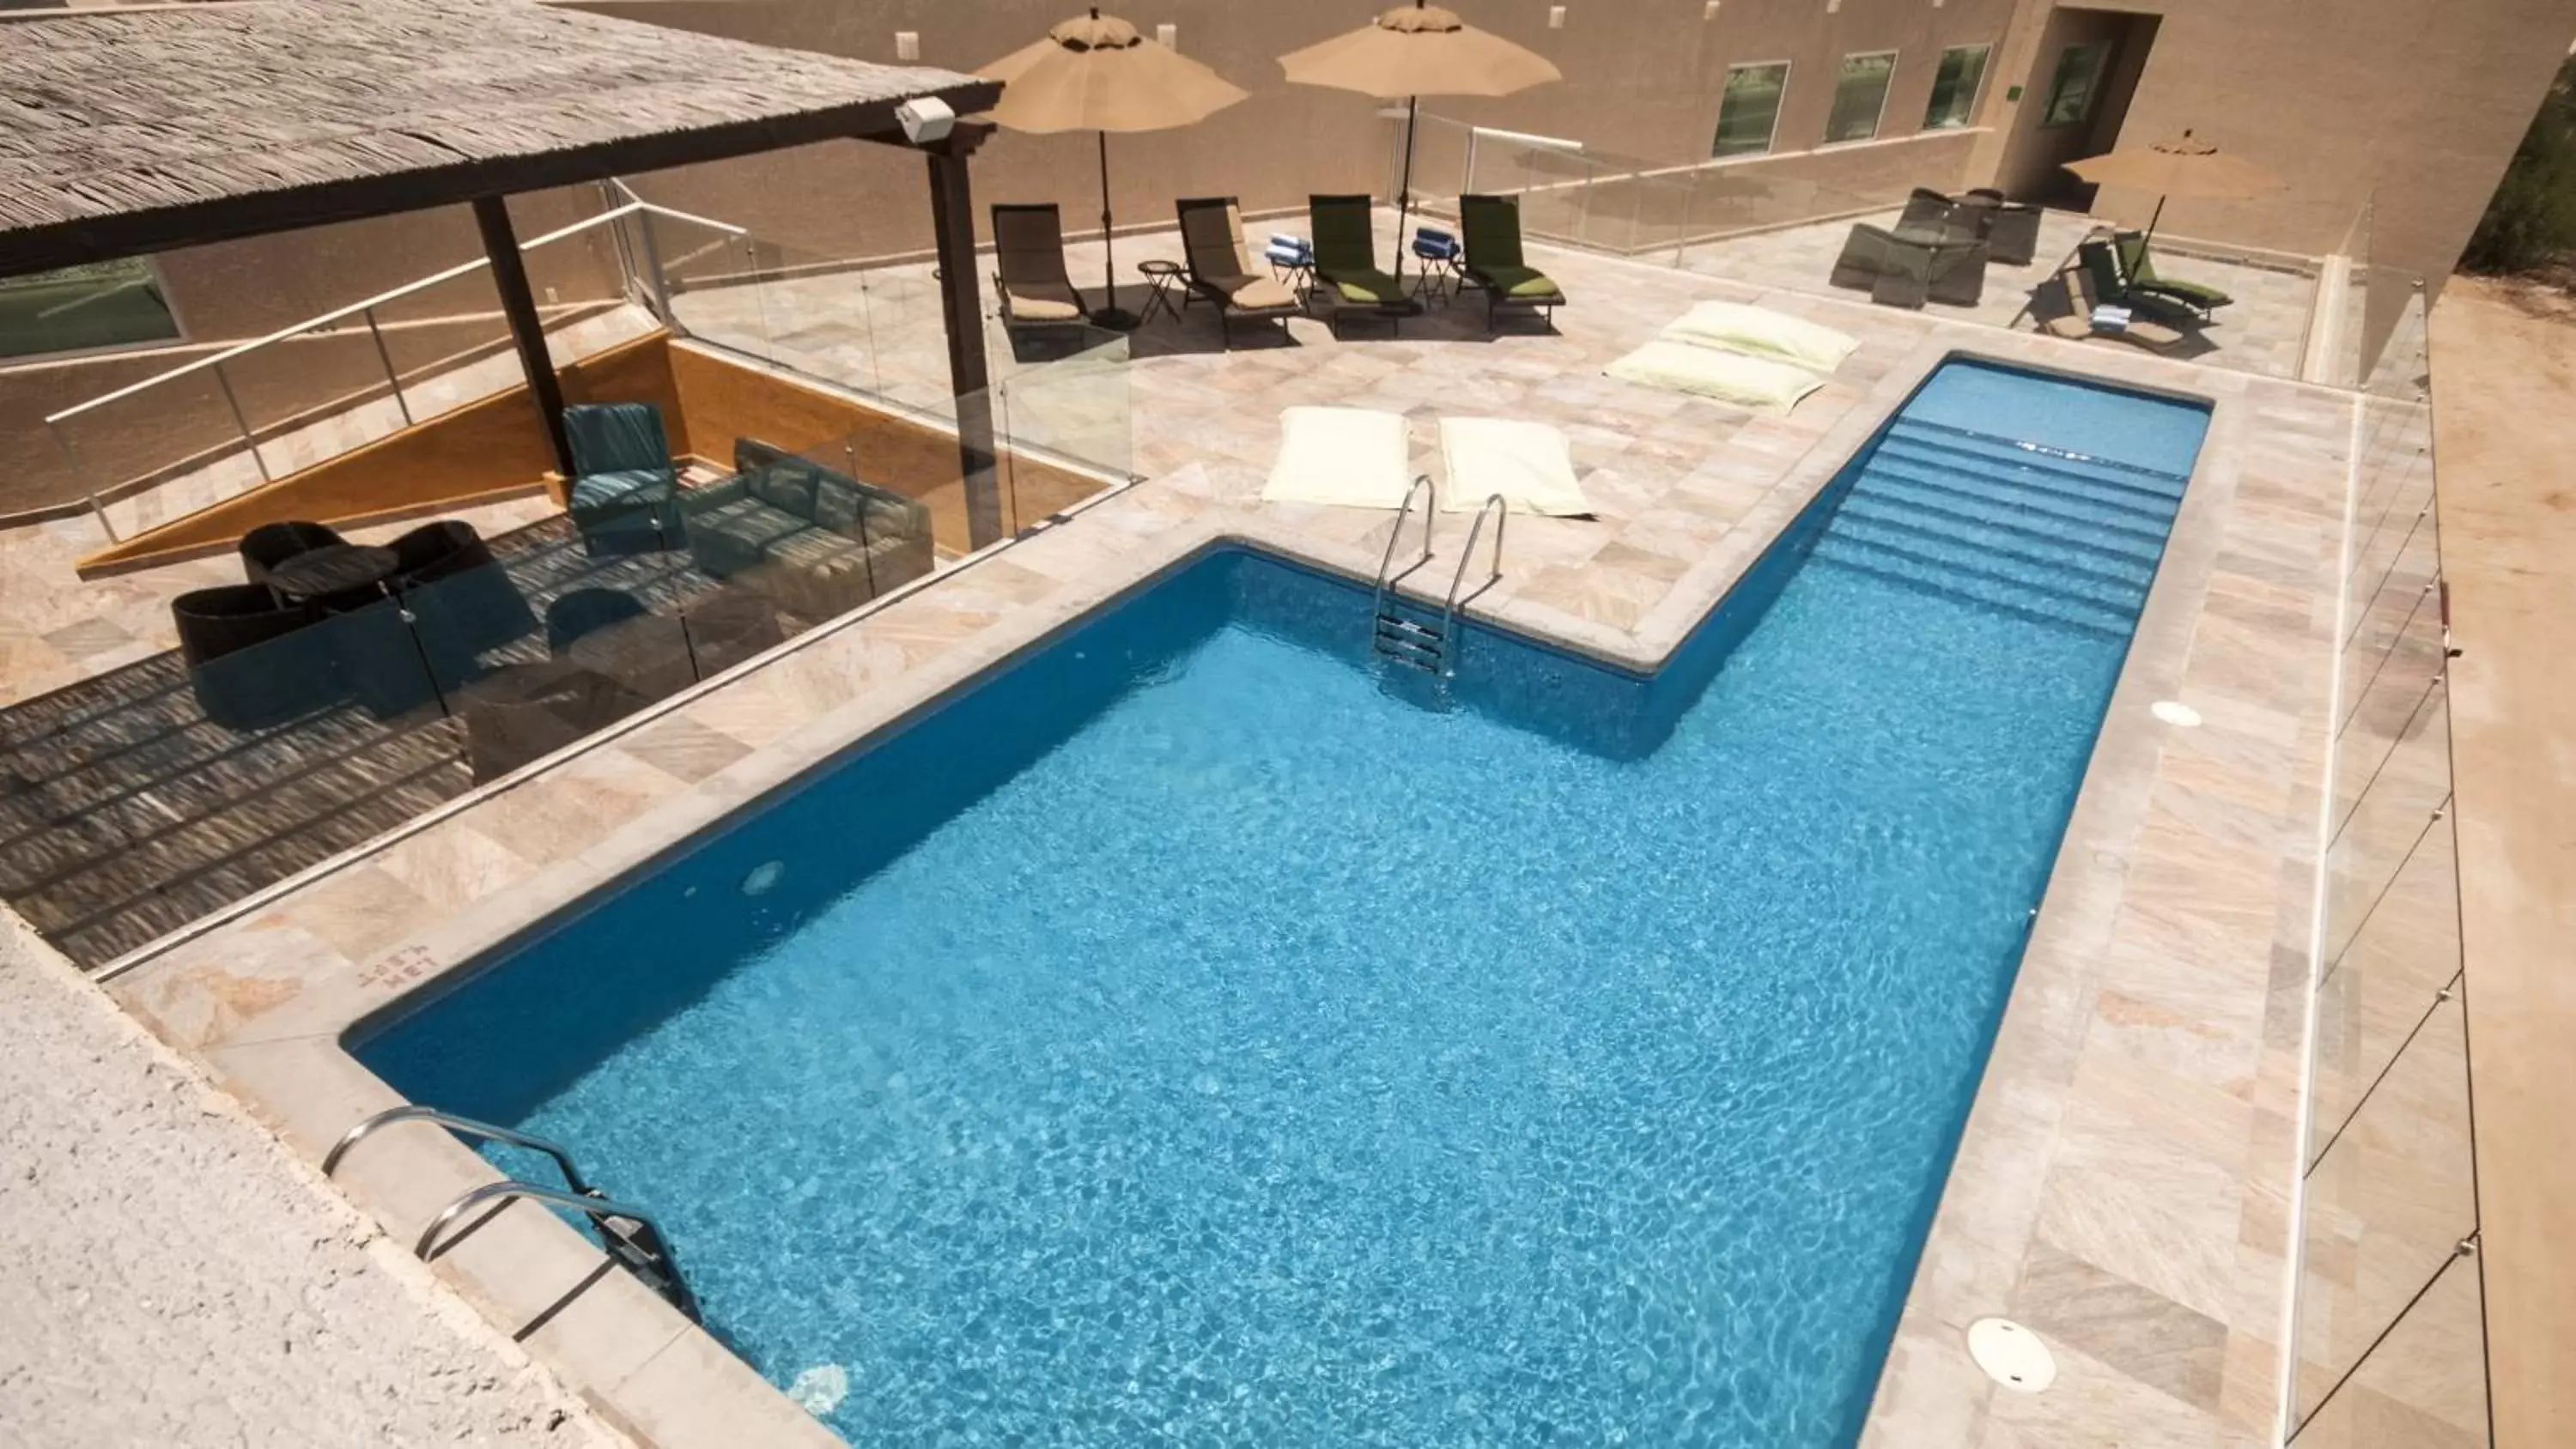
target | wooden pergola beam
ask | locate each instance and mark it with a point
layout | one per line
(233, 218)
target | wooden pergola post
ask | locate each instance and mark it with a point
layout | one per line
(510, 279)
(952, 217)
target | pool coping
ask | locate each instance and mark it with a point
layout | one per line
(667, 1382)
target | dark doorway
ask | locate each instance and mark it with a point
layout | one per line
(2074, 101)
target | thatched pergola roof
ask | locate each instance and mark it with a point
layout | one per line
(126, 131)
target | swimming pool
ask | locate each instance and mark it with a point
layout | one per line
(1186, 1034)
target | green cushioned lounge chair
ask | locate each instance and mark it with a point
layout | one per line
(2139, 270)
(1346, 262)
(2110, 284)
(625, 495)
(1493, 235)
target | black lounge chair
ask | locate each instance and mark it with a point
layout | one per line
(254, 662)
(2010, 229)
(1907, 271)
(1492, 227)
(1346, 263)
(1028, 269)
(1219, 272)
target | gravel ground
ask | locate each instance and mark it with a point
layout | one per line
(169, 1275)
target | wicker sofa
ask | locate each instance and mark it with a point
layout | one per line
(817, 542)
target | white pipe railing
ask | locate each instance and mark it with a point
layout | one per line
(329, 324)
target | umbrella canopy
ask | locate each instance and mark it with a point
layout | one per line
(2181, 165)
(1096, 73)
(1420, 50)
(1414, 51)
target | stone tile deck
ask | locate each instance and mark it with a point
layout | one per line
(2123, 1187)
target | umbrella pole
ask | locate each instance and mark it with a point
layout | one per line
(1112, 316)
(2149, 239)
(1404, 184)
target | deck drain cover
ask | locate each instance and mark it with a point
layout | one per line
(2175, 712)
(2011, 1355)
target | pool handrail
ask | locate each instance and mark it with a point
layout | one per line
(464, 1127)
(1499, 506)
(1422, 485)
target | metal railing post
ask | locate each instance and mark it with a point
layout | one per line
(656, 284)
(242, 422)
(392, 379)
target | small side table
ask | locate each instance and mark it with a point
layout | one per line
(1165, 279)
(1436, 279)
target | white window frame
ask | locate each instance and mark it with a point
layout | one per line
(1878, 123)
(1976, 97)
(1770, 142)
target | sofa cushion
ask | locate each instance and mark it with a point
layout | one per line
(786, 485)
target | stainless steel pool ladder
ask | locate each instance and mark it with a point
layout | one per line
(1405, 640)
(630, 1236)
(1419, 642)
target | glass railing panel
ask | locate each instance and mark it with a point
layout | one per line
(449, 344)
(289, 731)
(1064, 421)
(2393, 946)
(711, 280)
(316, 394)
(2392, 758)
(2424, 1386)
(574, 281)
(2388, 1203)
(166, 449)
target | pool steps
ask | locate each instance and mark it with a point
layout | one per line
(2047, 534)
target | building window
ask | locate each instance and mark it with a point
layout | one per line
(78, 309)
(1749, 110)
(1954, 87)
(2079, 79)
(1860, 95)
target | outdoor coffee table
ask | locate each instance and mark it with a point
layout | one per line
(333, 570)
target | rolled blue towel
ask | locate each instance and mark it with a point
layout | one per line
(1289, 251)
(1433, 244)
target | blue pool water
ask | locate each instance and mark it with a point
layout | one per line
(1188, 1036)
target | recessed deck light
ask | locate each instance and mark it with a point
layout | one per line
(2175, 712)
(2011, 1355)
(763, 878)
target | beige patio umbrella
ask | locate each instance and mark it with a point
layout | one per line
(1096, 73)
(2181, 165)
(1415, 51)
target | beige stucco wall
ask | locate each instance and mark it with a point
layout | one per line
(2418, 101)
(2421, 101)
(1641, 80)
